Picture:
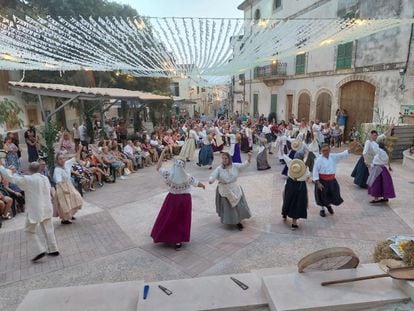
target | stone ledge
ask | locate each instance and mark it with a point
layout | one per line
(302, 291)
(98, 297)
(205, 293)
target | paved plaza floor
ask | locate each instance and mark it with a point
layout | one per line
(110, 239)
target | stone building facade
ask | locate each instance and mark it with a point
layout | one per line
(372, 78)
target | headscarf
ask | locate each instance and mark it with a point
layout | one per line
(178, 176)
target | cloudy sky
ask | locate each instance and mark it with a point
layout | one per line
(186, 8)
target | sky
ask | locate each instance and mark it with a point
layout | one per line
(186, 8)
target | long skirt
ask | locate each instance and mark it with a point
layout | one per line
(261, 159)
(360, 173)
(236, 158)
(285, 168)
(231, 215)
(188, 149)
(245, 144)
(67, 200)
(295, 199)
(329, 195)
(310, 161)
(382, 186)
(206, 156)
(32, 153)
(217, 147)
(173, 224)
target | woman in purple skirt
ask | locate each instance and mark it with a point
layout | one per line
(379, 182)
(173, 224)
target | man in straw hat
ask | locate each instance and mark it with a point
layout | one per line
(327, 191)
(297, 146)
(39, 208)
(295, 195)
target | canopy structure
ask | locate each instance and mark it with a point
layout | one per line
(170, 47)
(71, 93)
(84, 93)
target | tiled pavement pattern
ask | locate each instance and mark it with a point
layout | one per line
(96, 236)
(110, 240)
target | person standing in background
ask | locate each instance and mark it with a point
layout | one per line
(75, 135)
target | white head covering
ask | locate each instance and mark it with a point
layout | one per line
(178, 176)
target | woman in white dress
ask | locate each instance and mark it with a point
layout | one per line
(231, 203)
(68, 200)
(188, 149)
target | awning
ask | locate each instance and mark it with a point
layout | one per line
(84, 93)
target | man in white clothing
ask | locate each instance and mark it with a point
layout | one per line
(327, 191)
(39, 208)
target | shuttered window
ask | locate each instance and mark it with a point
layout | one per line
(344, 56)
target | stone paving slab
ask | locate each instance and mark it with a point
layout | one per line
(100, 297)
(303, 291)
(89, 237)
(206, 293)
(133, 204)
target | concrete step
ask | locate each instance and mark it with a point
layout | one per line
(205, 293)
(99, 297)
(302, 291)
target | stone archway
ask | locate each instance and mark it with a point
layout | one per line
(304, 102)
(323, 106)
(357, 98)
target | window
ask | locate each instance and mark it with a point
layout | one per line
(255, 104)
(257, 15)
(277, 4)
(198, 90)
(175, 89)
(344, 56)
(273, 103)
(300, 63)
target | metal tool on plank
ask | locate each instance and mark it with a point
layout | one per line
(165, 290)
(240, 283)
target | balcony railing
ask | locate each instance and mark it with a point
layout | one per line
(270, 71)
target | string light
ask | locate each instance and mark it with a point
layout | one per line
(171, 47)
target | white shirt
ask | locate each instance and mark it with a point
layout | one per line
(75, 133)
(36, 189)
(176, 188)
(266, 129)
(371, 148)
(227, 178)
(380, 158)
(317, 133)
(327, 165)
(82, 132)
(129, 150)
(63, 173)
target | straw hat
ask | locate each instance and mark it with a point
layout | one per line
(296, 144)
(297, 168)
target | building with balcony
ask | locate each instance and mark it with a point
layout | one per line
(370, 77)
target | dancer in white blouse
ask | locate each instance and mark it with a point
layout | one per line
(231, 203)
(327, 191)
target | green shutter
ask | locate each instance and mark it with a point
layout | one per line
(344, 56)
(300, 63)
(273, 103)
(255, 104)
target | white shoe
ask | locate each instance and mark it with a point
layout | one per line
(122, 177)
